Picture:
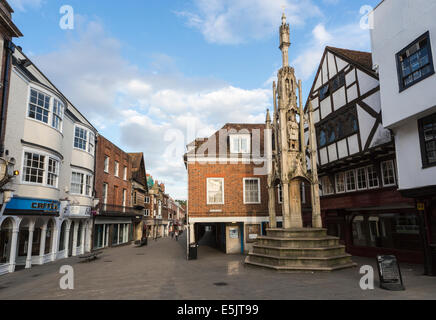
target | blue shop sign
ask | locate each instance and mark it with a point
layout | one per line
(32, 206)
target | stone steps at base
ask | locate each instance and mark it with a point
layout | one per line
(299, 252)
(300, 262)
(297, 233)
(320, 242)
(299, 269)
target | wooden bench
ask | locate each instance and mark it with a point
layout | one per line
(88, 257)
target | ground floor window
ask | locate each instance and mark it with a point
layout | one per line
(101, 236)
(62, 236)
(49, 237)
(120, 233)
(387, 230)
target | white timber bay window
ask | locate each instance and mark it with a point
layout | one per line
(252, 191)
(40, 168)
(81, 184)
(240, 143)
(340, 182)
(84, 139)
(45, 109)
(388, 173)
(326, 186)
(215, 191)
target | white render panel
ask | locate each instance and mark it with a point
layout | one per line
(341, 63)
(323, 156)
(318, 82)
(339, 99)
(402, 22)
(316, 116)
(315, 103)
(366, 123)
(352, 93)
(325, 77)
(381, 136)
(411, 173)
(326, 107)
(350, 78)
(332, 65)
(374, 101)
(342, 148)
(333, 156)
(353, 143)
(366, 82)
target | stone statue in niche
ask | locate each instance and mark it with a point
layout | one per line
(293, 131)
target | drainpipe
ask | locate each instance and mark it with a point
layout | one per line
(10, 49)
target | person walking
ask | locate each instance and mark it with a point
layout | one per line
(177, 235)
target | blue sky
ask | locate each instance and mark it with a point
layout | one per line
(151, 75)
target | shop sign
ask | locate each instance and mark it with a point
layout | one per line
(390, 273)
(234, 233)
(421, 206)
(26, 206)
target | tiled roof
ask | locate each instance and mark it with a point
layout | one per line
(361, 58)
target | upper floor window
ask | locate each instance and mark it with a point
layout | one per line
(105, 191)
(125, 174)
(351, 180)
(337, 128)
(372, 177)
(147, 199)
(81, 184)
(45, 109)
(324, 92)
(58, 111)
(39, 106)
(117, 169)
(388, 173)
(240, 143)
(338, 81)
(252, 191)
(38, 170)
(106, 164)
(215, 191)
(415, 62)
(340, 182)
(427, 132)
(84, 139)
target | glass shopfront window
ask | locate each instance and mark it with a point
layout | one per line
(387, 230)
(5, 241)
(120, 233)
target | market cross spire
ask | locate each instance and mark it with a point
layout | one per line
(285, 41)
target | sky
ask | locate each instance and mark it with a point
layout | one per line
(153, 75)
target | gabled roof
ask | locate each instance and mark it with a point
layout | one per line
(139, 173)
(204, 146)
(361, 58)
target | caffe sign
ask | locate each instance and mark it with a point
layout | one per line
(23, 206)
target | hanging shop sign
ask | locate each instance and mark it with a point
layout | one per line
(27, 206)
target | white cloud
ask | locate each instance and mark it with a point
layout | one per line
(349, 36)
(157, 113)
(22, 5)
(237, 21)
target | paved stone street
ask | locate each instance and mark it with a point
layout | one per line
(160, 271)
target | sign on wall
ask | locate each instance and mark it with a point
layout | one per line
(253, 231)
(234, 233)
(23, 206)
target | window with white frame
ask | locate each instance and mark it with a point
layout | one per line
(327, 186)
(53, 172)
(215, 191)
(251, 191)
(372, 177)
(80, 138)
(58, 112)
(340, 182)
(351, 180)
(39, 106)
(84, 139)
(362, 179)
(147, 199)
(388, 173)
(105, 190)
(280, 193)
(240, 143)
(117, 169)
(81, 184)
(125, 174)
(106, 164)
(147, 212)
(34, 167)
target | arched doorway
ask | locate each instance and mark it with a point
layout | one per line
(49, 235)
(71, 239)
(6, 240)
(62, 235)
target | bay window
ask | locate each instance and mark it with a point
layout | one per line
(388, 172)
(351, 180)
(81, 184)
(340, 182)
(84, 139)
(45, 109)
(34, 167)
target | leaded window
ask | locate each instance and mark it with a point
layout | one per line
(427, 128)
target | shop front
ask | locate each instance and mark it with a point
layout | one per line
(112, 232)
(28, 233)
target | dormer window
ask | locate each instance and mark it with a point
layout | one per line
(240, 143)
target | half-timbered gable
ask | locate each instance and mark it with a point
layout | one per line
(345, 98)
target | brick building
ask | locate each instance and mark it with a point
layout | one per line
(115, 218)
(227, 187)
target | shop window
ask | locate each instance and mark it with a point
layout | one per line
(5, 241)
(62, 236)
(358, 231)
(427, 132)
